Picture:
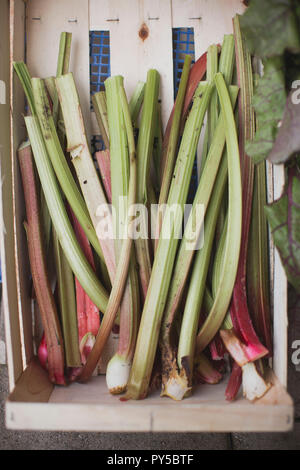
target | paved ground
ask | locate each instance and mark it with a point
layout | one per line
(20, 440)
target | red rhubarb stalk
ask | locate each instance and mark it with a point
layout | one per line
(204, 371)
(196, 74)
(87, 312)
(44, 296)
(239, 313)
(234, 382)
(103, 159)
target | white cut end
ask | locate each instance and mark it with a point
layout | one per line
(254, 385)
(176, 388)
(117, 374)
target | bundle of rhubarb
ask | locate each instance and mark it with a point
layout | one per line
(187, 291)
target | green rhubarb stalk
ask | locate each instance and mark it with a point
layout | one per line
(100, 108)
(239, 311)
(166, 251)
(80, 266)
(212, 114)
(144, 152)
(58, 160)
(118, 368)
(84, 166)
(37, 258)
(226, 67)
(171, 148)
(62, 68)
(61, 166)
(121, 272)
(157, 147)
(119, 126)
(258, 263)
(65, 279)
(136, 102)
(64, 53)
(233, 239)
(25, 79)
(67, 302)
(212, 69)
(176, 385)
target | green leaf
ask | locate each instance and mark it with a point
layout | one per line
(284, 219)
(268, 101)
(271, 27)
(288, 137)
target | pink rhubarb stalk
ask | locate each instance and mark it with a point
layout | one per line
(103, 159)
(239, 313)
(204, 371)
(44, 296)
(88, 317)
(196, 75)
(234, 382)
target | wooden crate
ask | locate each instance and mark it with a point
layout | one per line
(34, 403)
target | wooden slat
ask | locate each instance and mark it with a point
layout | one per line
(210, 20)
(90, 407)
(18, 135)
(131, 55)
(280, 319)
(46, 19)
(9, 287)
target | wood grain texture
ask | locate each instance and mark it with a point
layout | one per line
(140, 39)
(43, 43)
(9, 286)
(90, 407)
(18, 135)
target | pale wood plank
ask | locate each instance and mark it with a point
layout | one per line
(18, 134)
(9, 286)
(43, 36)
(91, 407)
(131, 56)
(280, 319)
(211, 19)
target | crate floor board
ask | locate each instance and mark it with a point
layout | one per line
(36, 404)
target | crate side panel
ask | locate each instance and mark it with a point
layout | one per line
(280, 293)
(18, 135)
(9, 290)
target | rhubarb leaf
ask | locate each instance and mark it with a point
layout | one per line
(284, 219)
(271, 27)
(268, 101)
(288, 137)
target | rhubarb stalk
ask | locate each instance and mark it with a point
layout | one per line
(233, 239)
(166, 251)
(144, 152)
(240, 314)
(100, 108)
(171, 149)
(37, 258)
(121, 273)
(185, 256)
(60, 220)
(83, 163)
(120, 170)
(103, 159)
(196, 75)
